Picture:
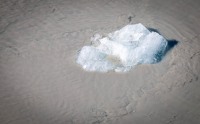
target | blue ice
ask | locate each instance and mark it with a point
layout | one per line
(123, 49)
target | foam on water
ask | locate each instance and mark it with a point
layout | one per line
(122, 49)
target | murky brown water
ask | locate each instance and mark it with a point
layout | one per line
(40, 83)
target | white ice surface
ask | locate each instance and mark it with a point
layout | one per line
(122, 49)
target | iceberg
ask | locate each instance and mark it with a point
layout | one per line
(122, 50)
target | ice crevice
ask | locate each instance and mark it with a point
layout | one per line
(122, 50)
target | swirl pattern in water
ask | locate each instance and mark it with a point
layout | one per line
(122, 49)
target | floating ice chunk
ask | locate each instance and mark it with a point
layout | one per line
(122, 49)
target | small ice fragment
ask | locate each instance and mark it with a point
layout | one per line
(122, 49)
(95, 39)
